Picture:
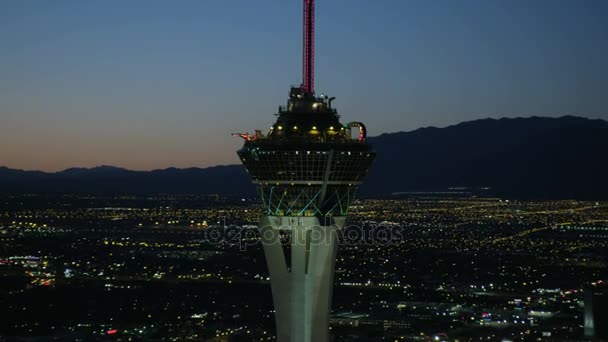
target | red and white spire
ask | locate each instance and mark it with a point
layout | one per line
(308, 72)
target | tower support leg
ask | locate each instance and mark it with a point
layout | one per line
(301, 288)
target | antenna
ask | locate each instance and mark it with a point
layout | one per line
(308, 73)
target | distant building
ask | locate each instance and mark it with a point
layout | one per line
(596, 311)
(359, 319)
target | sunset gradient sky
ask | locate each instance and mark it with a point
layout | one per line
(152, 84)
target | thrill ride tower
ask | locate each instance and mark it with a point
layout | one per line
(307, 170)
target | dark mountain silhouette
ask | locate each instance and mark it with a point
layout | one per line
(519, 158)
(106, 179)
(516, 158)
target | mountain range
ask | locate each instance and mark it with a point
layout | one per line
(531, 158)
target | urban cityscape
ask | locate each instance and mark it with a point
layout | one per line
(456, 191)
(177, 267)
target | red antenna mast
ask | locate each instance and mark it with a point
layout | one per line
(308, 74)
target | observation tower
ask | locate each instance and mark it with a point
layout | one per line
(307, 169)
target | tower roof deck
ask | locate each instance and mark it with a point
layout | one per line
(308, 120)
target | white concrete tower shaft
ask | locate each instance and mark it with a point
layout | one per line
(301, 289)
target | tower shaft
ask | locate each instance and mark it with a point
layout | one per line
(301, 289)
(308, 74)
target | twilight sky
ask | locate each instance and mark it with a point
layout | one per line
(151, 84)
